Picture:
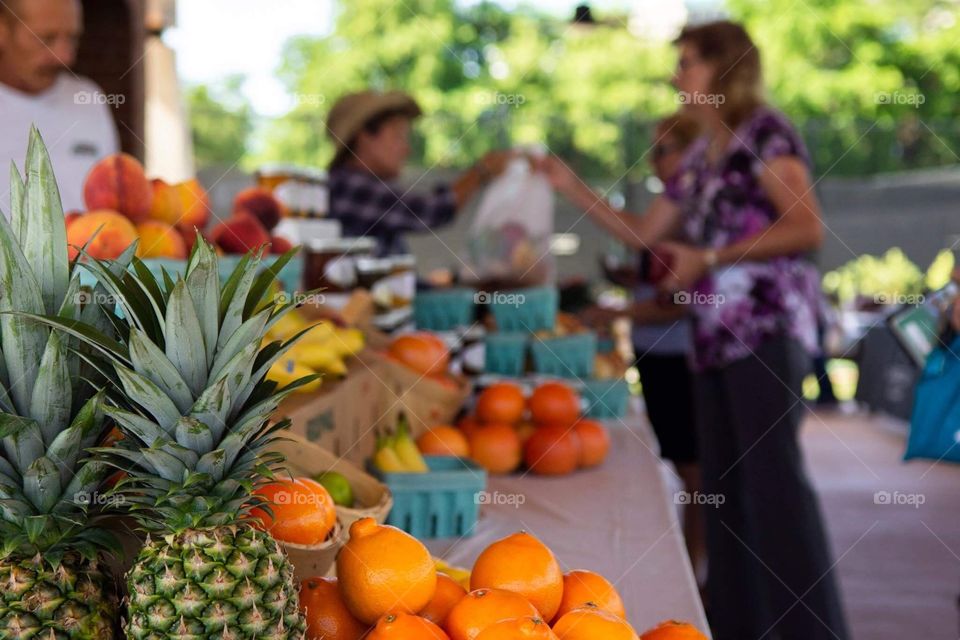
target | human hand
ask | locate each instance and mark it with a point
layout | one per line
(561, 177)
(687, 264)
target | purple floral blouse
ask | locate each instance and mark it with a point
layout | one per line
(737, 307)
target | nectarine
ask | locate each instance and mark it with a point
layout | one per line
(279, 244)
(261, 204)
(166, 205)
(194, 205)
(160, 240)
(240, 234)
(118, 183)
(111, 233)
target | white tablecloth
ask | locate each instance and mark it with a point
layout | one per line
(618, 520)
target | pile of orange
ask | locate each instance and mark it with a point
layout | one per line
(545, 432)
(388, 589)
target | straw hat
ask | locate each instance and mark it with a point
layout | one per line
(352, 111)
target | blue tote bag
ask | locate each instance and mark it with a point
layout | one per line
(935, 423)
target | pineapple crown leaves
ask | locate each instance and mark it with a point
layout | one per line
(49, 413)
(191, 395)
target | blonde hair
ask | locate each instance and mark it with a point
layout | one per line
(737, 71)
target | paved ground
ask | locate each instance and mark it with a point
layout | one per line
(899, 564)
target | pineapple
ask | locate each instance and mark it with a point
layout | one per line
(194, 408)
(51, 574)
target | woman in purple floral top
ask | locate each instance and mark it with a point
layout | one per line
(731, 232)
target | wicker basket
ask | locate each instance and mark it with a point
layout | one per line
(311, 561)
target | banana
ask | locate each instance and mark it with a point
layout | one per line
(287, 370)
(321, 357)
(386, 459)
(348, 341)
(458, 574)
(407, 450)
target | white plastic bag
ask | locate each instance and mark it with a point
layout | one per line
(509, 238)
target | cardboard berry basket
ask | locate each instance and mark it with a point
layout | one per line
(304, 458)
(425, 401)
(310, 561)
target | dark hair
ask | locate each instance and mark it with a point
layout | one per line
(372, 127)
(728, 47)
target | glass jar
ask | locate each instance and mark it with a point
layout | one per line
(331, 263)
(403, 280)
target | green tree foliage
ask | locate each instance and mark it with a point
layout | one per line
(221, 122)
(872, 84)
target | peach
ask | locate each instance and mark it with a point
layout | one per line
(108, 233)
(70, 216)
(194, 205)
(166, 205)
(118, 183)
(279, 244)
(261, 203)
(240, 234)
(160, 240)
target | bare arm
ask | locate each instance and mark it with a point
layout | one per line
(659, 221)
(798, 228)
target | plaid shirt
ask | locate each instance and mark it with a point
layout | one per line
(367, 206)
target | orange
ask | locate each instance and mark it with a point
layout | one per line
(554, 403)
(501, 402)
(303, 511)
(327, 616)
(469, 425)
(582, 587)
(403, 626)
(673, 630)
(448, 594)
(444, 440)
(524, 565)
(482, 608)
(518, 629)
(496, 448)
(594, 442)
(384, 570)
(588, 623)
(422, 352)
(552, 450)
(525, 430)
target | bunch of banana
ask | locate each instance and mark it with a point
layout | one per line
(460, 575)
(323, 348)
(398, 453)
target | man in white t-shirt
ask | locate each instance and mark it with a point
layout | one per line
(38, 45)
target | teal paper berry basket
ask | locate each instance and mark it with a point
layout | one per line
(606, 399)
(441, 503)
(565, 357)
(506, 353)
(533, 309)
(444, 309)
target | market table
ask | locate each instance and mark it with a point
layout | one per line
(618, 520)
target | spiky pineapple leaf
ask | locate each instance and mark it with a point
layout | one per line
(212, 408)
(194, 435)
(233, 298)
(148, 396)
(16, 200)
(23, 443)
(44, 237)
(23, 341)
(185, 339)
(261, 286)
(250, 332)
(79, 329)
(146, 431)
(203, 283)
(149, 361)
(53, 391)
(41, 484)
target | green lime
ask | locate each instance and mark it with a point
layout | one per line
(338, 487)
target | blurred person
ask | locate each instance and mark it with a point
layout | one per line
(370, 131)
(743, 203)
(38, 45)
(663, 350)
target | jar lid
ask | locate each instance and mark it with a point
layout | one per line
(404, 260)
(373, 264)
(342, 245)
